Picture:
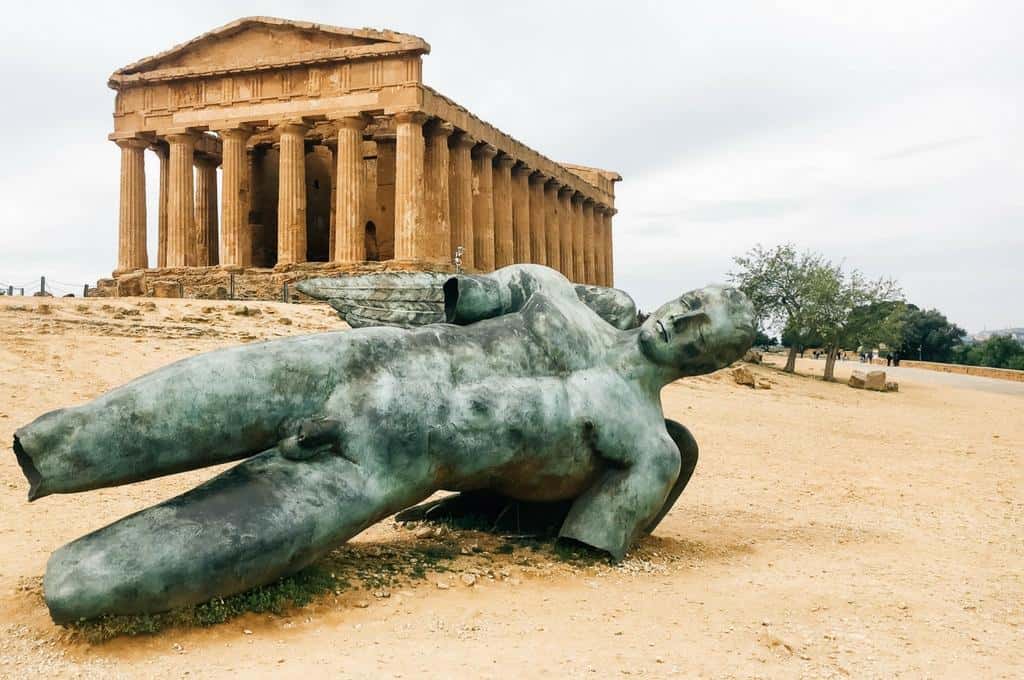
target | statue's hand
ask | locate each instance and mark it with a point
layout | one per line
(313, 436)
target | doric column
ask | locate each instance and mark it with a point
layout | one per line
(578, 270)
(181, 218)
(291, 194)
(349, 220)
(460, 196)
(589, 275)
(409, 188)
(160, 149)
(565, 221)
(552, 225)
(483, 207)
(538, 211)
(521, 214)
(206, 234)
(131, 229)
(234, 214)
(608, 255)
(437, 231)
(504, 244)
(600, 275)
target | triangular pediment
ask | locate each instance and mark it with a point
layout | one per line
(255, 41)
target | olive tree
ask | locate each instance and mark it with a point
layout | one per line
(778, 282)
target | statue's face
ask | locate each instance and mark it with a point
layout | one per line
(701, 331)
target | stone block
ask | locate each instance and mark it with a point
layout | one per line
(166, 289)
(753, 356)
(131, 285)
(743, 376)
(868, 380)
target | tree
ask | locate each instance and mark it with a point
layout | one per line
(847, 309)
(777, 282)
(928, 335)
(998, 351)
(762, 339)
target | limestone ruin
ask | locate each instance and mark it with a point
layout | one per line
(334, 157)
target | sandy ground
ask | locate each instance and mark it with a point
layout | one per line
(827, 532)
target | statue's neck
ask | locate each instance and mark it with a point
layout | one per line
(630, 361)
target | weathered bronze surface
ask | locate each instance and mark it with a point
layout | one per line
(534, 389)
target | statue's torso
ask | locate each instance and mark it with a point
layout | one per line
(520, 403)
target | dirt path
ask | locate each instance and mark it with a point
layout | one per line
(827, 532)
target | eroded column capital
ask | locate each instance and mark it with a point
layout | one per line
(522, 169)
(413, 117)
(504, 161)
(241, 132)
(565, 191)
(182, 137)
(538, 177)
(438, 128)
(484, 150)
(351, 121)
(462, 139)
(132, 143)
(294, 127)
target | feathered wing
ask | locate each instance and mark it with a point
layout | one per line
(411, 299)
(402, 299)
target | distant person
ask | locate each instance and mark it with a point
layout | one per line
(888, 359)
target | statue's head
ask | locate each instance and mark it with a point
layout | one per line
(700, 331)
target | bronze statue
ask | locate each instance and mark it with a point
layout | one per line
(520, 384)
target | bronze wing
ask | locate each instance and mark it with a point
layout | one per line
(411, 299)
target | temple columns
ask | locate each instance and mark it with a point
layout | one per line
(291, 194)
(538, 211)
(521, 214)
(578, 270)
(234, 212)
(349, 230)
(504, 244)
(609, 261)
(460, 196)
(589, 272)
(483, 207)
(437, 231)
(160, 149)
(206, 232)
(131, 230)
(554, 239)
(600, 276)
(180, 214)
(409, 188)
(565, 231)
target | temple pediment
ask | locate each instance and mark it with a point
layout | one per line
(256, 43)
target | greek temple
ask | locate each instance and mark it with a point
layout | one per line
(332, 151)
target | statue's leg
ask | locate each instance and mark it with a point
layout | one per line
(211, 408)
(688, 462)
(266, 517)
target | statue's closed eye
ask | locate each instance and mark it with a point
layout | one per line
(691, 321)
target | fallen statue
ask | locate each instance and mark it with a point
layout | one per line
(516, 383)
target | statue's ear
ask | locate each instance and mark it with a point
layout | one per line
(688, 450)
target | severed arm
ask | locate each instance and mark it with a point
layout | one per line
(627, 498)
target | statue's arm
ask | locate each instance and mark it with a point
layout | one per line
(474, 297)
(628, 496)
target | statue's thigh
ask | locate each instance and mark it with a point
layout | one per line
(264, 518)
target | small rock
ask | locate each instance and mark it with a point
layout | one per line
(763, 384)
(742, 376)
(753, 356)
(362, 604)
(424, 532)
(284, 321)
(246, 632)
(469, 579)
(442, 585)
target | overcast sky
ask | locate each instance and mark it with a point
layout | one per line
(885, 134)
